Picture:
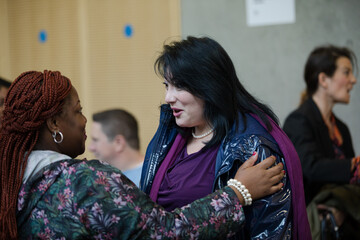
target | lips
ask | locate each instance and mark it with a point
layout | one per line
(177, 112)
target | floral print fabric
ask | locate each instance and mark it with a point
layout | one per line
(355, 179)
(74, 199)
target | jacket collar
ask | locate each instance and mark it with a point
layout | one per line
(38, 159)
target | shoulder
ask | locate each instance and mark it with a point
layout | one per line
(243, 146)
(75, 174)
(307, 114)
(85, 196)
(248, 139)
(88, 166)
(93, 171)
(92, 182)
(304, 110)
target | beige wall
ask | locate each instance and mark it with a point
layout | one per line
(4, 41)
(86, 43)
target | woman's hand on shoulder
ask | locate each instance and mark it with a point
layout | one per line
(261, 179)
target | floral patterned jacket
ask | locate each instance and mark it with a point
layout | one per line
(79, 199)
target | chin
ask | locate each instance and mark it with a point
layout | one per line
(82, 151)
(181, 124)
(343, 101)
(75, 155)
(346, 100)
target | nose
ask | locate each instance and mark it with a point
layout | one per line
(92, 147)
(353, 80)
(170, 96)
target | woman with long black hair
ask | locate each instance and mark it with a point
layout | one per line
(208, 127)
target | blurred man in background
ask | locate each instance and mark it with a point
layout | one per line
(115, 140)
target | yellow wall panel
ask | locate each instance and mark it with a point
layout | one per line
(60, 51)
(4, 42)
(86, 42)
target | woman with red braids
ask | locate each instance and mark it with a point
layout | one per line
(47, 194)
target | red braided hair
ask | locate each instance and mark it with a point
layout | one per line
(32, 98)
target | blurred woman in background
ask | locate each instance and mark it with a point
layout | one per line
(323, 141)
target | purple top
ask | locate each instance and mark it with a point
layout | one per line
(188, 178)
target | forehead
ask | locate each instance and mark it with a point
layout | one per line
(96, 127)
(70, 103)
(97, 131)
(343, 62)
(73, 97)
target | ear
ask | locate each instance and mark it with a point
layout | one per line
(52, 124)
(322, 80)
(119, 143)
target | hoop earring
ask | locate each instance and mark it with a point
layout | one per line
(61, 136)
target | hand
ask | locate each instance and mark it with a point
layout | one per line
(339, 216)
(262, 179)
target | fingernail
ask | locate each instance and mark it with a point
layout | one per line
(254, 153)
(283, 171)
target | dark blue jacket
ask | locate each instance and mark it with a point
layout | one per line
(266, 218)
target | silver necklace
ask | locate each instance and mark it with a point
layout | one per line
(202, 135)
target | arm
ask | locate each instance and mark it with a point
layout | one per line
(86, 200)
(218, 214)
(269, 217)
(78, 199)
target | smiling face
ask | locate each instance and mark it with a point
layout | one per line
(342, 81)
(71, 122)
(188, 109)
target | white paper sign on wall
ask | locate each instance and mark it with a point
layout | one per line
(269, 12)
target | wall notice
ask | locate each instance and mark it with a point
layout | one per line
(269, 12)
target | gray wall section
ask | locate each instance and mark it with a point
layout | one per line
(270, 59)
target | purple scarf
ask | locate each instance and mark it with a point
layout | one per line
(300, 223)
(174, 151)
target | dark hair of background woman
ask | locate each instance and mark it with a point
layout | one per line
(203, 68)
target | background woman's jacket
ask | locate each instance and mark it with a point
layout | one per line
(310, 136)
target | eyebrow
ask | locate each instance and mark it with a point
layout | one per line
(77, 103)
(347, 68)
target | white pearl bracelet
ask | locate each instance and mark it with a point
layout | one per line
(242, 189)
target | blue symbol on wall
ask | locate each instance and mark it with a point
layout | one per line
(128, 31)
(42, 36)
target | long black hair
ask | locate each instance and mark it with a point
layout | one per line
(203, 68)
